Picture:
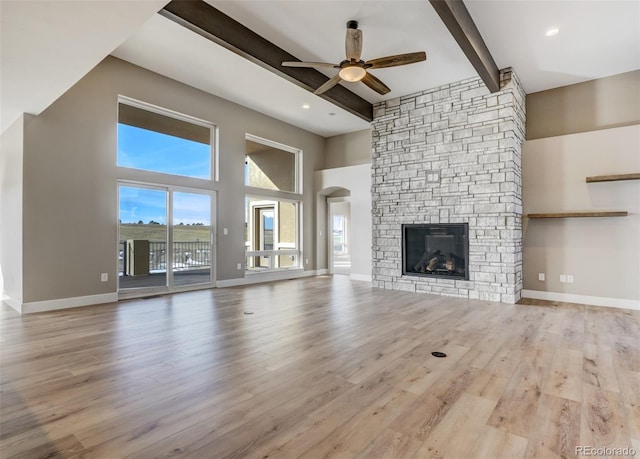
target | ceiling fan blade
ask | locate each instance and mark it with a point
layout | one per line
(309, 64)
(328, 85)
(398, 59)
(353, 44)
(375, 84)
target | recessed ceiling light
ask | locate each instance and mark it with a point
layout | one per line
(332, 114)
(551, 32)
(306, 106)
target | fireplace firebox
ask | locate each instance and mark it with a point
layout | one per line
(436, 250)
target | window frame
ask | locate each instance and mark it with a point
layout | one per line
(298, 170)
(170, 190)
(260, 202)
(214, 172)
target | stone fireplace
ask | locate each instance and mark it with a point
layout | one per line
(450, 156)
(436, 250)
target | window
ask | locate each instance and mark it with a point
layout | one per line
(271, 166)
(272, 223)
(271, 234)
(166, 218)
(153, 139)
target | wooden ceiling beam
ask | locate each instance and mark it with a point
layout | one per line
(456, 17)
(216, 26)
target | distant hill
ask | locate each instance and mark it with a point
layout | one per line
(186, 233)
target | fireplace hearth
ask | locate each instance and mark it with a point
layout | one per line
(436, 250)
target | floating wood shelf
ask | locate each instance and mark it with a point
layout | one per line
(579, 214)
(613, 178)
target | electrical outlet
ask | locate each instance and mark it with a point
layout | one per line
(225, 231)
(569, 279)
(104, 277)
(306, 261)
(540, 276)
(239, 266)
(563, 279)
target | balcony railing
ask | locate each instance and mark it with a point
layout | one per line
(186, 256)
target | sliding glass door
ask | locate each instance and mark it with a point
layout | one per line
(165, 239)
(191, 239)
(142, 248)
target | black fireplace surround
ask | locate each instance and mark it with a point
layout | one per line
(436, 250)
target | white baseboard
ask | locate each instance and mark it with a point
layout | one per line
(360, 277)
(582, 299)
(231, 282)
(322, 272)
(256, 278)
(15, 304)
(63, 303)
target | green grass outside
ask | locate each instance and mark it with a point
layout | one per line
(187, 233)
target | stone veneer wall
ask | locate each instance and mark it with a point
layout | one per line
(451, 155)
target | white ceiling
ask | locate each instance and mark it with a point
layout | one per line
(595, 39)
(160, 46)
(48, 45)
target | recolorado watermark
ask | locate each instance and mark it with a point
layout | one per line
(605, 451)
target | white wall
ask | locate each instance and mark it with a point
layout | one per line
(11, 195)
(602, 254)
(356, 179)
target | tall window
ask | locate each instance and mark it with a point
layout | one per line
(159, 141)
(166, 219)
(272, 223)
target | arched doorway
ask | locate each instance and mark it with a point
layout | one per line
(339, 232)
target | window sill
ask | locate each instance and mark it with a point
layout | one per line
(270, 271)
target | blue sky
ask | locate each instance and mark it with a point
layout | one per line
(153, 151)
(149, 150)
(146, 204)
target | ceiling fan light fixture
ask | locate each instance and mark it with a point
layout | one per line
(353, 68)
(352, 73)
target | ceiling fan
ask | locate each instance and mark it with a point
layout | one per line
(353, 68)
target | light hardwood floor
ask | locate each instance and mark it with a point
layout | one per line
(324, 367)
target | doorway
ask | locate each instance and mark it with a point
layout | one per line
(264, 216)
(165, 239)
(339, 235)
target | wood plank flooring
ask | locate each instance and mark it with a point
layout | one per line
(323, 368)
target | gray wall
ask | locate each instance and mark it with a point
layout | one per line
(602, 254)
(11, 186)
(586, 129)
(70, 177)
(598, 104)
(349, 149)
